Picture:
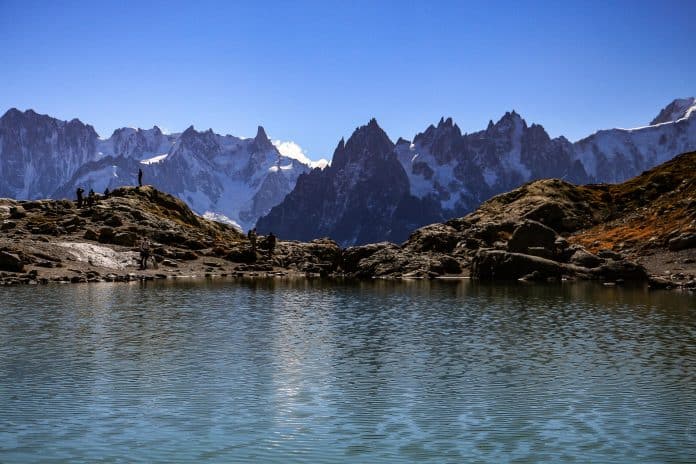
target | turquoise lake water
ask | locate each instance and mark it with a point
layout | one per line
(312, 371)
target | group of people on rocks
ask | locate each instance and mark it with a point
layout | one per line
(92, 198)
(269, 244)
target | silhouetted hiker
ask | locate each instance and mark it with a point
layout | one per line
(79, 193)
(91, 198)
(271, 242)
(252, 238)
(144, 253)
(140, 177)
(106, 192)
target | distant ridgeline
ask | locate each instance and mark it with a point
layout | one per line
(373, 190)
(224, 177)
(376, 190)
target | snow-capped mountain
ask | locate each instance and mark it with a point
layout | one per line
(240, 178)
(678, 109)
(137, 143)
(373, 190)
(615, 155)
(225, 177)
(448, 174)
(363, 196)
(37, 152)
(460, 171)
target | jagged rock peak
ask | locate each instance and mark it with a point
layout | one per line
(368, 140)
(402, 140)
(677, 109)
(192, 132)
(261, 141)
(371, 130)
(508, 121)
(12, 113)
(513, 115)
(445, 122)
(261, 134)
(445, 129)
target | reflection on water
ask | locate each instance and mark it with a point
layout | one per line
(305, 371)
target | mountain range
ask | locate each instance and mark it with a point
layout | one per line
(379, 190)
(374, 189)
(224, 177)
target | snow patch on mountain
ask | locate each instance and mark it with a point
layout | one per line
(678, 109)
(155, 159)
(217, 217)
(617, 154)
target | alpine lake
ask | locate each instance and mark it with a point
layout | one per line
(274, 370)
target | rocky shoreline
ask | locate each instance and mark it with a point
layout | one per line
(546, 230)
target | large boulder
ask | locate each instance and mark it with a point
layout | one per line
(324, 250)
(106, 235)
(17, 212)
(353, 255)
(169, 237)
(7, 225)
(620, 270)
(125, 238)
(397, 262)
(388, 260)
(241, 254)
(610, 254)
(322, 255)
(532, 234)
(11, 262)
(682, 242)
(584, 258)
(435, 237)
(504, 265)
(90, 234)
(491, 231)
(559, 216)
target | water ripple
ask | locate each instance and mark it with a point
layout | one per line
(304, 371)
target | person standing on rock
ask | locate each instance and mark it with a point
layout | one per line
(140, 177)
(79, 193)
(271, 242)
(252, 238)
(106, 192)
(91, 198)
(144, 253)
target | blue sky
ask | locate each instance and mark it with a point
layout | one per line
(313, 71)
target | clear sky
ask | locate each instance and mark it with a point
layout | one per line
(313, 71)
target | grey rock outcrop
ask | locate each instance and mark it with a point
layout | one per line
(532, 234)
(682, 242)
(11, 262)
